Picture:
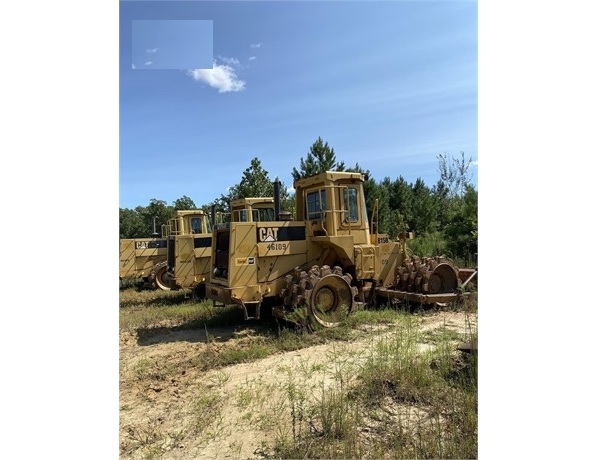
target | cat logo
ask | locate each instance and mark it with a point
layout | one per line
(268, 234)
(245, 261)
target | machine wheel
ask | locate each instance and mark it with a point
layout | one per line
(158, 277)
(331, 300)
(443, 279)
(320, 297)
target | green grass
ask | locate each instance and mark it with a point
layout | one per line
(144, 297)
(151, 313)
(402, 403)
(149, 310)
(207, 405)
(399, 400)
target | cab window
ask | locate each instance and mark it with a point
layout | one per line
(350, 198)
(267, 215)
(316, 203)
(196, 225)
(239, 215)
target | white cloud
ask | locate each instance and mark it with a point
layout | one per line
(252, 58)
(222, 77)
(133, 66)
(152, 50)
(255, 45)
(230, 61)
(148, 63)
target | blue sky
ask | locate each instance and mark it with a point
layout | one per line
(388, 85)
(171, 44)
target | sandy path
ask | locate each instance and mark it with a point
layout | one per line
(162, 413)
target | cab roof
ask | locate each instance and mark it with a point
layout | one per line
(328, 176)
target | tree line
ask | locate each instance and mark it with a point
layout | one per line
(444, 216)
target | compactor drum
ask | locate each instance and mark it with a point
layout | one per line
(159, 276)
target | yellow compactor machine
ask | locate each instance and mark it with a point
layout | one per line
(146, 258)
(189, 243)
(326, 262)
(138, 256)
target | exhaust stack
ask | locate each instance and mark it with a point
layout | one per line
(277, 197)
(154, 233)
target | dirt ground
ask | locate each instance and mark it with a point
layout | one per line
(159, 415)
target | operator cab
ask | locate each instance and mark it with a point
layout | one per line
(333, 204)
(253, 210)
(188, 222)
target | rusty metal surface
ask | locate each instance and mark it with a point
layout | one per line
(434, 275)
(417, 296)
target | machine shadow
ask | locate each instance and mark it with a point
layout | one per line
(226, 324)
